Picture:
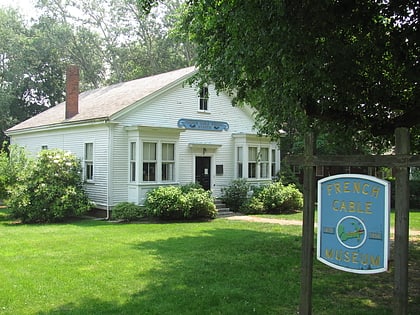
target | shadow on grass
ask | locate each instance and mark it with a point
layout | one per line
(223, 271)
(232, 271)
(348, 293)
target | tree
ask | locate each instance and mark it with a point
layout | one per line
(115, 41)
(30, 74)
(111, 41)
(349, 67)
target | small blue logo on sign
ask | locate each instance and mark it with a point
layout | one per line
(353, 223)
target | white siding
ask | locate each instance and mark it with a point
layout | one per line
(111, 142)
(73, 140)
(183, 102)
(119, 165)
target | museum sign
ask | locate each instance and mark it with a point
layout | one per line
(353, 223)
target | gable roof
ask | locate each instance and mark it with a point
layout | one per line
(102, 103)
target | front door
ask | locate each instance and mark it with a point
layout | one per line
(202, 171)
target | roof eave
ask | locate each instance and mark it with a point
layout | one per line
(60, 125)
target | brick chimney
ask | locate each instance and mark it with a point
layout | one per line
(72, 91)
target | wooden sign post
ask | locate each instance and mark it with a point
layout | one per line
(401, 163)
(402, 195)
(309, 193)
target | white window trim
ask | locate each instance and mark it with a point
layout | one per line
(264, 164)
(252, 161)
(273, 162)
(150, 161)
(204, 99)
(259, 164)
(169, 162)
(239, 159)
(133, 161)
(159, 161)
(87, 162)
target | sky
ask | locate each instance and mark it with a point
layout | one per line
(25, 7)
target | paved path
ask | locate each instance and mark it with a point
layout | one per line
(251, 218)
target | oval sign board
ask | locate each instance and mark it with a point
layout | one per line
(353, 223)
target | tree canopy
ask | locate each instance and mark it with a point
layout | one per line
(342, 67)
(111, 41)
(349, 67)
(31, 78)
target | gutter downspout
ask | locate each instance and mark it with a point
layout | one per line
(108, 210)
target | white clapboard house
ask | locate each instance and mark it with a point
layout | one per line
(150, 132)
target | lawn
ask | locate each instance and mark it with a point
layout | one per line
(216, 267)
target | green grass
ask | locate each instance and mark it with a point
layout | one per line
(217, 267)
(414, 220)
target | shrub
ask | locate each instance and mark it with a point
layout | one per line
(278, 198)
(201, 204)
(185, 202)
(166, 202)
(128, 211)
(12, 162)
(49, 189)
(4, 161)
(191, 186)
(272, 198)
(287, 176)
(292, 199)
(236, 194)
(253, 206)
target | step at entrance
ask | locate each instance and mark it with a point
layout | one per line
(222, 210)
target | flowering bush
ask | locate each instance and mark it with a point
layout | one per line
(185, 202)
(12, 161)
(166, 203)
(201, 204)
(272, 198)
(49, 189)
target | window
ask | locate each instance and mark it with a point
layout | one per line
(239, 161)
(252, 162)
(133, 169)
(89, 161)
(273, 163)
(168, 161)
(264, 163)
(44, 147)
(204, 98)
(149, 161)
